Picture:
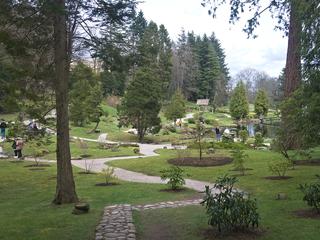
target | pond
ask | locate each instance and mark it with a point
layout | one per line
(268, 131)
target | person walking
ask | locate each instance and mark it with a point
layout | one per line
(14, 147)
(3, 126)
(19, 147)
(218, 134)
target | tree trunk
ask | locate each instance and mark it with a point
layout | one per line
(293, 63)
(65, 189)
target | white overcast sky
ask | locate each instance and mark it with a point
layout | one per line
(266, 53)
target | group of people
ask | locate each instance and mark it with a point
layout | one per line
(17, 144)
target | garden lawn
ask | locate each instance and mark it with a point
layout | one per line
(94, 151)
(276, 215)
(27, 212)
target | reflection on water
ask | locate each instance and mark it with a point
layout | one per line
(267, 131)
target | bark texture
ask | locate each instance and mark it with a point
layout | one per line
(293, 63)
(65, 190)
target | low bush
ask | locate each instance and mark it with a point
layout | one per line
(108, 174)
(243, 134)
(279, 168)
(136, 150)
(229, 209)
(258, 139)
(239, 157)
(191, 121)
(312, 194)
(175, 176)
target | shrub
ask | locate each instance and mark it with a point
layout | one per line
(171, 128)
(229, 209)
(227, 139)
(136, 150)
(239, 157)
(191, 121)
(258, 139)
(108, 174)
(279, 168)
(175, 175)
(312, 194)
(243, 134)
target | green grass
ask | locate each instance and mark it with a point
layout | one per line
(276, 215)
(27, 212)
(94, 151)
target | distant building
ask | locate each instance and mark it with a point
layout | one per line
(203, 103)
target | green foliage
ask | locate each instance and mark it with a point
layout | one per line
(279, 168)
(140, 105)
(177, 107)
(191, 121)
(312, 194)
(258, 139)
(261, 103)
(229, 209)
(108, 174)
(175, 176)
(239, 157)
(85, 96)
(243, 135)
(239, 106)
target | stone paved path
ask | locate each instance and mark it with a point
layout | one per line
(117, 222)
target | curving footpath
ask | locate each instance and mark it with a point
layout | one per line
(148, 150)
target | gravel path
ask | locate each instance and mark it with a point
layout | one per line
(148, 150)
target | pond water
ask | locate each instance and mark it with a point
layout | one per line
(268, 131)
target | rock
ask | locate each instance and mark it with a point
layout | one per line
(281, 196)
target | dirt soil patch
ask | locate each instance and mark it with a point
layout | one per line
(312, 162)
(37, 165)
(213, 234)
(204, 162)
(86, 172)
(106, 184)
(278, 177)
(37, 169)
(173, 191)
(307, 213)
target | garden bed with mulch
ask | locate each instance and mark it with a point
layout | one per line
(277, 177)
(307, 213)
(312, 162)
(106, 184)
(204, 162)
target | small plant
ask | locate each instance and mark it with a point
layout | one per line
(175, 176)
(136, 150)
(279, 168)
(37, 149)
(312, 194)
(108, 174)
(239, 157)
(191, 121)
(229, 209)
(243, 134)
(258, 139)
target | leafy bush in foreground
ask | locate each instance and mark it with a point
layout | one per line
(229, 209)
(312, 194)
(175, 176)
